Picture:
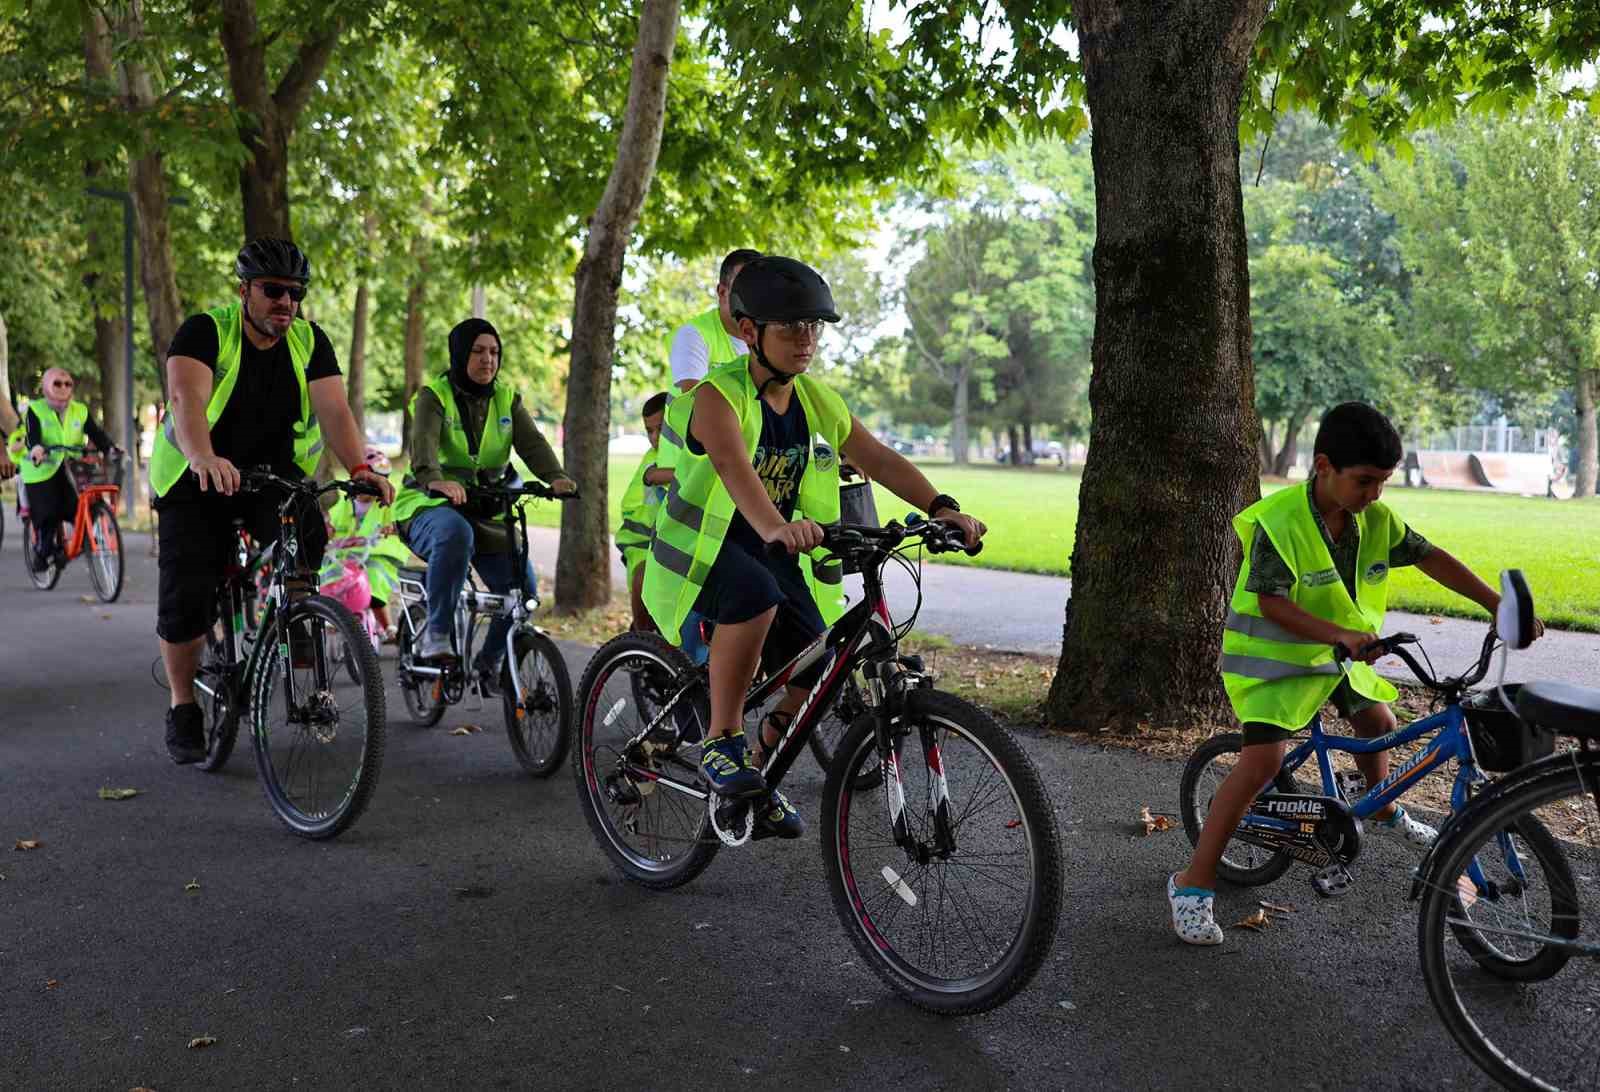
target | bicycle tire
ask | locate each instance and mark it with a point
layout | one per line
(221, 719)
(1024, 810)
(421, 693)
(43, 579)
(595, 774)
(106, 566)
(1243, 875)
(324, 823)
(1524, 1000)
(550, 701)
(825, 738)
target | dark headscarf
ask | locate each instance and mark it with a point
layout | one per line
(461, 338)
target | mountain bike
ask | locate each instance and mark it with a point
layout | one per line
(94, 526)
(318, 736)
(535, 687)
(1316, 819)
(1509, 924)
(945, 872)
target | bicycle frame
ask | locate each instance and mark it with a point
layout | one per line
(80, 521)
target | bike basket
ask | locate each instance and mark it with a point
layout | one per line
(1501, 739)
(101, 472)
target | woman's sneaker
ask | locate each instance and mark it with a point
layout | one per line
(776, 817)
(1401, 823)
(725, 764)
(1192, 917)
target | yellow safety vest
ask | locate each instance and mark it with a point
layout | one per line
(1273, 676)
(67, 429)
(456, 459)
(639, 505)
(693, 519)
(722, 348)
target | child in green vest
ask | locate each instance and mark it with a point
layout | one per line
(759, 467)
(639, 504)
(1315, 574)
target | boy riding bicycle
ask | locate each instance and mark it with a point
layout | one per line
(759, 468)
(640, 501)
(1315, 574)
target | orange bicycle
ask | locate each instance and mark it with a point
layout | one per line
(94, 526)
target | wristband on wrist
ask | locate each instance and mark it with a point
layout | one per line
(943, 500)
(358, 468)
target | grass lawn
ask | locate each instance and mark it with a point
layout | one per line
(1032, 514)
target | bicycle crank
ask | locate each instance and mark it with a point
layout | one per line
(734, 821)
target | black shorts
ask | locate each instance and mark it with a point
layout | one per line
(741, 585)
(197, 544)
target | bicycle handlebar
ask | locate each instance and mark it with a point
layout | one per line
(260, 478)
(526, 489)
(1393, 644)
(852, 539)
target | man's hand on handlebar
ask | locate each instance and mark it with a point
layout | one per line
(454, 492)
(1361, 646)
(221, 475)
(562, 487)
(972, 529)
(797, 537)
(378, 482)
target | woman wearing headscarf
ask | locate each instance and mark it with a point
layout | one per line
(54, 421)
(465, 423)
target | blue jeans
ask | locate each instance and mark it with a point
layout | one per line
(443, 538)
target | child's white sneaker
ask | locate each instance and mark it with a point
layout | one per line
(1192, 917)
(1401, 823)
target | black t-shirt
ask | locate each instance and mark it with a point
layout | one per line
(257, 425)
(780, 460)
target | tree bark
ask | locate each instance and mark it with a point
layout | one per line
(959, 442)
(148, 184)
(267, 117)
(1173, 445)
(109, 327)
(1588, 448)
(1284, 459)
(416, 327)
(5, 363)
(1013, 449)
(355, 372)
(1266, 447)
(583, 566)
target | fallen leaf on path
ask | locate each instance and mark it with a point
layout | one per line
(50, 983)
(201, 1041)
(86, 599)
(1257, 921)
(105, 617)
(1153, 823)
(118, 794)
(1435, 620)
(1276, 908)
(465, 730)
(192, 885)
(27, 843)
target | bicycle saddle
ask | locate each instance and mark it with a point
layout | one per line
(1565, 709)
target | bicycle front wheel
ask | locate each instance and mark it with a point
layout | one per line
(1509, 930)
(214, 682)
(656, 835)
(105, 552)
(541, 727)
(319, 738)
(962, 918)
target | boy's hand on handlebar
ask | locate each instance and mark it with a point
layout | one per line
(454, 492)
(37, 454)
(378, 482)
(1360, 646)
(971, 528)
(222, 475)
(561, 487)
(797, 537)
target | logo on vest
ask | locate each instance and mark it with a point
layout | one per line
(505, 424)
(1320, 579)
(1376, 573)
(824, 456)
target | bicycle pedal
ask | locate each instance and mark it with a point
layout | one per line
(1333, 881)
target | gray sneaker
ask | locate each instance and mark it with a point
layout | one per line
(434, 646)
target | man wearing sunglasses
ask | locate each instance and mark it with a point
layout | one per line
(252, 384)
(56, 420)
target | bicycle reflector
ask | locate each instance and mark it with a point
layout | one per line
(1514, 620)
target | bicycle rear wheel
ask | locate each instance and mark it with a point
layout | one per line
(959, 927)
(1242, 863)
(1512, 962)
(105, 552)
(655, 835)
(319, 751)
(212, 683)
(43, 578)
(830, 732)
(423, 694)
(541, 728)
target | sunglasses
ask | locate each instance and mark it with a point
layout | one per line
(277, 291)
(798, 330)
(61, 383)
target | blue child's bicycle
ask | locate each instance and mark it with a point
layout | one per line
(1315, 818)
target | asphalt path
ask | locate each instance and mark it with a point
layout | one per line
(467, 932)
(1024, 612)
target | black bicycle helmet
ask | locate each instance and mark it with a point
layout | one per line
(269, 257)
(778, 289)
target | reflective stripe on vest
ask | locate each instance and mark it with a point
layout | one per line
(53, 430)
(639, 504)
(693, 522)
(167, 460)
(456, 459)
(1272, 675)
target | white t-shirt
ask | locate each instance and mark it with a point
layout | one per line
(690, 356)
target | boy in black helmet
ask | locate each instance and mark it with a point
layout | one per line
(759, 465)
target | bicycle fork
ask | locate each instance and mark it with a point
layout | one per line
(888, 684)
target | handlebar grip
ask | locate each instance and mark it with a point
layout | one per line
(975, 549)
(777, 551)
(363, 488)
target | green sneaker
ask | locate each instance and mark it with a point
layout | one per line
(776, 817)
(725, 764)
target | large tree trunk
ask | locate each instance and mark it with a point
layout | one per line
(5, 363)
(109, 328)
(1290, 451)
(1588, 449)
(416, 327)
(1155, 555)
(267, 116)
(959, 441)
(583, 566)
(355, 371)
(1266, 447)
